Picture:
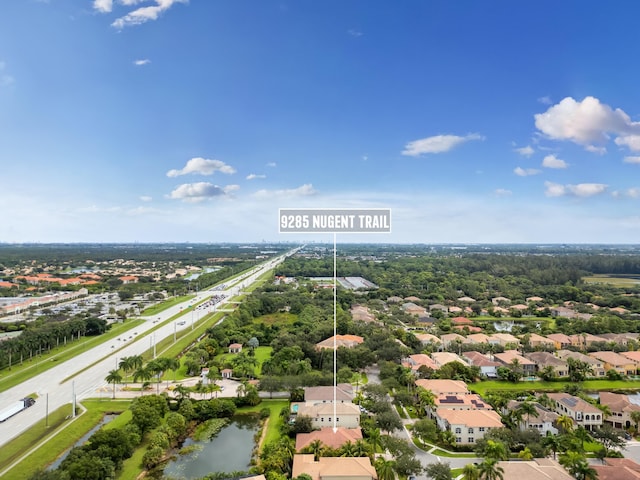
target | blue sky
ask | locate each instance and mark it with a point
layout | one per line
(168, 120)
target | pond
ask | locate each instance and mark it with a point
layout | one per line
(228, 451)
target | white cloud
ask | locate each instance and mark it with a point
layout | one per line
(635, 160)
(579, 190)
(302, 191)
(197, 192)
(546, 100)
(594, 149)
(588, 122)
(354, 33)
(253, 176)
(525, 172)
(271, 164)
(551, 161)
(141, 62)
(143, 14)
(202, 166)
(634, 192)
(502, 192)
(525, 151)
(145, 198)
(437, 144)
(631, 141)
(103, 6)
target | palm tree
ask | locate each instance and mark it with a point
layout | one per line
(316, 447)
(583, 471)
(347, 449)
(490, 470)
(385, 469)
(635, 416)
(582, 434)
(495, 450)
(375, 439)
(471, 472)
(552, 442)
(426, 398)
(361, 449)
(565, 422)
(114, 377)
(143, 374)
(528, 409)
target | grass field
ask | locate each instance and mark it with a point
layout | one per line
(482, 388)
(61, 435)
(614, 280)
(275, 406)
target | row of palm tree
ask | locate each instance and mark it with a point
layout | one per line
(135, 365)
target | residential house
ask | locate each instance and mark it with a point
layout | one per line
(441, 386)
(463, 401)
(413, 309)
(414, 362)
(347, 341)
(328, 437)
(468, 426)
(449, 339)
(621, 408)
(361, 313)
(536, 469)
(427, 338)
(633, 356)
(546, 359)
(347, 415)
(597, 366)
(582, 412)
(543, 421)
(560, 340)
(333, 468)
(438, 306)
(614, 361)
(395, 299)
(426, 320)
(619, 338)
(504, 339)
(235, 348)
(467, 300)
(476, 338)
(325, 394)
(534, 299)
(226, 373)
(488, 367)
(128, 279)
(442, 358)
(539, 342)
(618, 469)
(500, 301)
(461, 321)
(585, 340)
(507, 358)
(467, 328)
(412, 299)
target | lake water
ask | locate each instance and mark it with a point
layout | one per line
(228, 451)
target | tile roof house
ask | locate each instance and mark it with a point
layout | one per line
(439, 386)
(235, 348)
(413, 309)
(419, 360)
(442, 358)
(324, 394)
(461, 321)
(633, 356)
(476, 338)
(467, 299)
(427, 338)
(347, 415)
(560, 340)
(582, 412)
(507, 358)
(543, 422)
(328, 437)
(451, 338)
(504, 339)
(597, 366)
(538, 341)
(617, 362)
(333, 468)
(499, 300)
(487, 366)
(546, 359)
(468, 426)
(467, 401)
(584, 340)
(621, 408)
(536, 469)
(618, 469)
(347, 341)
(438, 306)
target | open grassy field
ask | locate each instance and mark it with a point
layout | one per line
(59, 436)
(483, 388)
(614, 280)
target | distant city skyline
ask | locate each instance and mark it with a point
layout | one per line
(196, 121)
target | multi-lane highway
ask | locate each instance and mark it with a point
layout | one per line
(88, 383)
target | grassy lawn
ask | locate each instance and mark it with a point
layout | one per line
(482, 388)
(61, 434)
(161, 307)
(261, 354)
(275, 406)
(31, 368)
(276, 319)
(614, 280)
